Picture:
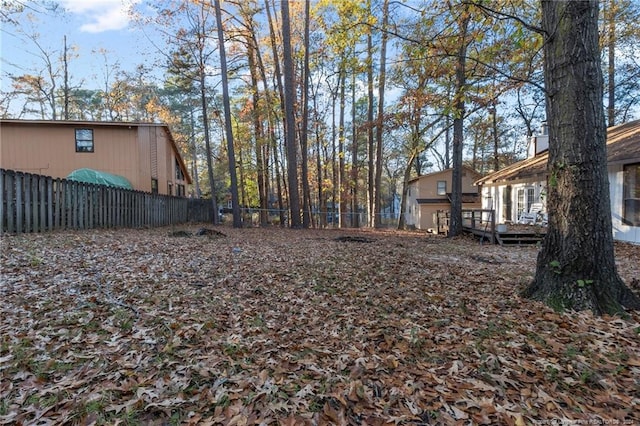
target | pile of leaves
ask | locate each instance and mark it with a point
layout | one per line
(299, 327)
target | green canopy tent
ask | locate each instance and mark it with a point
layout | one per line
(99, 178)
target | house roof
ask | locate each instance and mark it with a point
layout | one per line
(428, 175)
(81, 123)
(525, 169)
(165, 127)
(623, 143)
(623, 146)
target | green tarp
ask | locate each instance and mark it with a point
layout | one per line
(99, 178)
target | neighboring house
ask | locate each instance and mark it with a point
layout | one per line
(513, 190)
(143, 153)
(429, 193)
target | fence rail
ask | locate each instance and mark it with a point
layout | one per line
(36, 203)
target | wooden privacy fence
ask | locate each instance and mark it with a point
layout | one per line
(35, 203)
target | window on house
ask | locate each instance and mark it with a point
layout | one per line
(631, 195)
(442, 187)
(84, 140)
(169, 188)
(179, 174)
(531, 197)
(520, 206)
(181, 192)
(154, 186)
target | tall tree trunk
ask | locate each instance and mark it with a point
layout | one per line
(321, 174)
(342, 187)
(455, 223)
(576, 266)
(377, 204)
(355, 217)
(276, 57)
(335, 176)
(235, 205)
(258, 131)
(207, 142)
(194, 161)
(242, 195)
(279, 178)
(278, 85)
(290, 125)
(611, 65)
(306, 190)
(266, 151)
(447, 143)
(370, 139)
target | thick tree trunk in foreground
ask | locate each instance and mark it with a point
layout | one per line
(576, 266)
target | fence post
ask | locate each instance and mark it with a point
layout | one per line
(81, 206)
(35, 199)
(59, 203)
(93, 211)
(19, 204)
(26, 191)
(63, 203)
(75, 196)
(11, 204)
(49, 206)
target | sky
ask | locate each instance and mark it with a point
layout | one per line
(91, 26)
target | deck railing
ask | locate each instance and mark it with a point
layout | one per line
(478, 220)
(36, 203)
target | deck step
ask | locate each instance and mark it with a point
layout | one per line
(519, 239)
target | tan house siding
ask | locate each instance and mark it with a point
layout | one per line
(49, 148)
(423, 200)
(166, 173)
(144, 151)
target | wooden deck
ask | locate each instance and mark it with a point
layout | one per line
(481, 223)
(511, 238)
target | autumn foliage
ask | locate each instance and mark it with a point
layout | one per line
(276, 326)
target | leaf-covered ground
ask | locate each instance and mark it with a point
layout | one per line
(276, 326)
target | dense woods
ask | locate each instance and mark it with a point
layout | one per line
(332, 106)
